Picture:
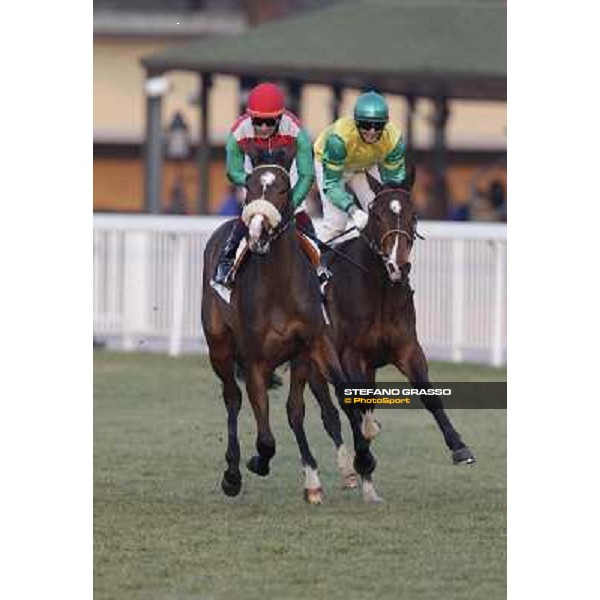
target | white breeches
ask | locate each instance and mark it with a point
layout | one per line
(335, 220)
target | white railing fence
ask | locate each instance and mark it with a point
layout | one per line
(148, 285)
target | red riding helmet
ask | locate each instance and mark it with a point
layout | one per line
(266, 100)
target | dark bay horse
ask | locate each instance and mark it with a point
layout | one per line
(373, 319)
(274, 315)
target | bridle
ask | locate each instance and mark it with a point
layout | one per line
(276, 232)
(378, 248)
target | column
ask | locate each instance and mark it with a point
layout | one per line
(155, 88)
(439, 210)
(204, 146)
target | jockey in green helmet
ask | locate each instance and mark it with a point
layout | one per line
(348, 148)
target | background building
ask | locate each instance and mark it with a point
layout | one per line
(127, 32)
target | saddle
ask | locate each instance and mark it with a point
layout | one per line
(310, 249)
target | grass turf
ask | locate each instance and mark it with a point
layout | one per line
(164, 530)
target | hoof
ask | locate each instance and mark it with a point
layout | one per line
(350, 481)
(463, 456)
(373, 499)
(369, 495)
(314, 495)
(231, 484)
(257, 466)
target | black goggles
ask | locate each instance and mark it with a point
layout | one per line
(270, 122)
(368, 125)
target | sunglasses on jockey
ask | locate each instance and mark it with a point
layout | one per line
(269, 122)
(368, 125)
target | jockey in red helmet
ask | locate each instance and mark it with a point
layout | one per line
(266, 133)
(266, 100)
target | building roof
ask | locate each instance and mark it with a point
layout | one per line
(455, 48)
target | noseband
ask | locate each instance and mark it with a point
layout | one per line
(284, 223)
(378, 248)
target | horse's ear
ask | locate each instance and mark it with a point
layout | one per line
(375, 185)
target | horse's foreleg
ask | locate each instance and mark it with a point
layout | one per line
(325, 358)
(331, 421)
(412, 362)
(256, 385)
(364, 460)
(313, 491)
(370, 426)
(222, 360)
(365, 428)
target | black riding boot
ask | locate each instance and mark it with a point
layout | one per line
(305, 224)
(227, 256)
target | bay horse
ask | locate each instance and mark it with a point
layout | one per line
(373, 318)
(274, 315)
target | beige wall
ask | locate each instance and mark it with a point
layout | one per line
(119, 116)
(119, 104)
(118, 184)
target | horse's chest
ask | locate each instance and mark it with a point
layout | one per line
(387, 331)
(278, 324)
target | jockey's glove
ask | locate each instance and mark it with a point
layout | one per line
(360, 217)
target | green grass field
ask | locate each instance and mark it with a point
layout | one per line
(164, 530)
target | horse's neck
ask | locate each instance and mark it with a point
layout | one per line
(392, 295)
(286, 246)
(284, 251)
(367, 257)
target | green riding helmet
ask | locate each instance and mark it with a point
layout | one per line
(371, 107)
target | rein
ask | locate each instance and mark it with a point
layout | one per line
(333, 249)
(378, 248)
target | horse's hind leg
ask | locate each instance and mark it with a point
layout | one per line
(331, 421)
(256, 385)
(313, 492)
(222, 359)
(412, 362)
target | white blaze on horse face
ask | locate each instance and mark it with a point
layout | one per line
(392, 262)
(255, 228)
(267, 179)
(395, 206)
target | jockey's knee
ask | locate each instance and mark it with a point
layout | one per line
(332, 229)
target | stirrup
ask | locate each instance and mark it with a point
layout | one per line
(323, 274)
(225, 277)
